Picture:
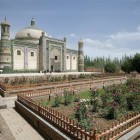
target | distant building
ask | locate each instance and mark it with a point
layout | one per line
(33, 49)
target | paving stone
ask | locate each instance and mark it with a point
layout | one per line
(19, 128)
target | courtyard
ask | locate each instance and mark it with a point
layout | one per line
(13, 129)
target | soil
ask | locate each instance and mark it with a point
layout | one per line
(99, 122)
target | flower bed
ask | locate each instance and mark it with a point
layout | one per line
(99, 107)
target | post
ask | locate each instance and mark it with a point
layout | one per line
(95, 136)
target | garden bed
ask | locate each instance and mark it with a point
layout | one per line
(27, 82)
(98, 108)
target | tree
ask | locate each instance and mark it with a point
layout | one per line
(110, 67)
(127, 65)
(136, 62)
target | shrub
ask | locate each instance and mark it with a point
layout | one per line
(57, 101)
(67, 97)
(6, 80)
(96, 100)
(110, 67)
(81, 111)
(87, 123)
(85, 120)
(133, 102)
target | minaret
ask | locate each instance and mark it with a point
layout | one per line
(80, 56)
(32, 22)
(5, 51)
(5, 27)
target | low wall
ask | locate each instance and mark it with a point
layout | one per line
(42, 126)
(75, 86)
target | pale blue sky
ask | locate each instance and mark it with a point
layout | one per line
(107, 27)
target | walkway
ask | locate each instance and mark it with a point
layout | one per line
(42, 74)
(13, 126)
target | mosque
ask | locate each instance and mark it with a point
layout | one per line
(33, 49)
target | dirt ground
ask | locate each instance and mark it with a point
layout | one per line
(5, 133)
(98, 121)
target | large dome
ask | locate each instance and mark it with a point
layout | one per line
(30, 33)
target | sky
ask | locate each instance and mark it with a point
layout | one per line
(108, 28)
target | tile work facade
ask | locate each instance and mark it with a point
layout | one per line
(33, 49)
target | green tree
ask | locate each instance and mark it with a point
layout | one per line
(110, 67)
(127, 65)
(136, 62)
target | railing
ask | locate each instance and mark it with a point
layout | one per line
(76, 87)
(124, 125)
(61, 121)
(22, 86)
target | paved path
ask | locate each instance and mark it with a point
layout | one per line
(42, 74)
(13, 126)
(19, 128)
(5, 133)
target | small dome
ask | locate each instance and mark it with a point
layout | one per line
(5, 22)
(31, 32)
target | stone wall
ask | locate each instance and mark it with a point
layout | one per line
(42, 126)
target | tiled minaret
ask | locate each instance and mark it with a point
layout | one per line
(80, 56)
(5, 51)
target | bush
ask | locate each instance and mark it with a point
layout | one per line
(6, 80)
(110, 68)
(7, 69)
(67, 97)
(81, 111)
(133, 102)
(96, 100)
(57, 101)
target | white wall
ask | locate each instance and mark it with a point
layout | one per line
(32, 60)
(18, 60)
(67, 61)
(74, 62)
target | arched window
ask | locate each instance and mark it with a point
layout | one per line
(55, 57)
(18, 52)
(32, 53)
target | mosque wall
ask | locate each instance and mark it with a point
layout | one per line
(32, 59)
(24, 58)
(18, 56)
(68, 64)
(71, 60)
(74, 62)
(33, 49)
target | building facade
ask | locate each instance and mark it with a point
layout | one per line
(33, 49)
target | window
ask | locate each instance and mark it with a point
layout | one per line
(55, 58)
(73, 58)
(18, 52)
(67, 57)
(32, 53)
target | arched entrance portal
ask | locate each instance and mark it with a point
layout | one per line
(51, 67)
(55, 60)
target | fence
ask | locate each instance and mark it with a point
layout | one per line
(61, 121)
(70, 127)
(7, 87)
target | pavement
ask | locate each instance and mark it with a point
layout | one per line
(132, 135)
(42, 74)
(13, 126)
